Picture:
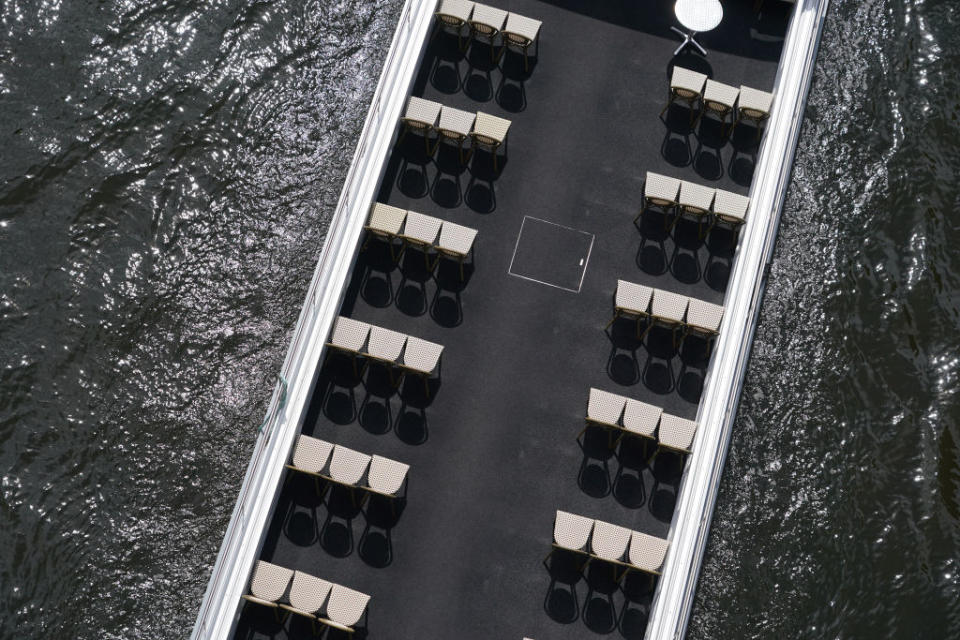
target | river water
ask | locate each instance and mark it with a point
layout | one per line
(166, 181)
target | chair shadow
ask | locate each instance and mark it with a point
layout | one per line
(416, 270)
(623, 367)
(599, 608)
(376, 544)
(687, 243)
(447, 187)
(336, 532)
(658, 369)
(378, 265)
(445, 75)
(667, 472)
(413, 178)
(411, 422)
(480, 194)
(446, 308)
(511, 92)
(300, 491)
(743, 161)
(711, 138)
(654, 232)
(721, 243)
(637, 589)
(593, 478)
(376, 409)
(478, 84)
(257, 621)
(561, 602)
(676, 148)
(628, 485)
(339, 395)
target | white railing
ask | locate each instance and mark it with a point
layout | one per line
(670, 611)
(291, 395)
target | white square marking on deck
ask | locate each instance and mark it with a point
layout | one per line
(551, 254)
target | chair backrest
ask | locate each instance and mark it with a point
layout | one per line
(270, 581)
(346, 606)
(308, 593)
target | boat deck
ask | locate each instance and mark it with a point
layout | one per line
(493, 450)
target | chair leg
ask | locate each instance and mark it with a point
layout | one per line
(616, 314)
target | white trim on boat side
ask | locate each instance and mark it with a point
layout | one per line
(241, 544)
(670, 611)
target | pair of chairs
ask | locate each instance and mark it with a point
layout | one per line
(395, 350)
(626, 416)
(599, 540)
(488, 24)
(348, 468)
(425, 233)
(674, 311)
(684, 199)
(432, 120)
(718, 99)
(287, 591)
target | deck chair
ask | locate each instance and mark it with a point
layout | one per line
(676, 434)
(694, 203)
(456, 243)
(385, 347)
(490, 133)
(385, 223)
(486, 22)
(420, 231)
(718, 100)
(347, 467)
(345, 607)
(310, 455)
(631, 299)
(604, 409)
(753, 105)
(422, 358)
(668, 310)
(609, 543)
(703, 320)
(421, 117)
(452, 17)
(307, 595)
(659, 191)
(570, 533)
(268, 584)
(349, 336)
(685, 86)
(520, 33)
(455, 127)
(730, 209)
(641, 419)
(647, 554)
(386, 477)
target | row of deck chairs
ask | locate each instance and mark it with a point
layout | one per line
(626, 416)
(432, 120)
(487, 24)
(423, 232)
(287, 591)
(718, 99)
(348, 468)
(599, 540)
(398, 351)
(673, 311)
(684, 199)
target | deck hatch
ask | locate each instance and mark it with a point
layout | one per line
(551, 254)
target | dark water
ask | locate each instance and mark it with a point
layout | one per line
(167, 175)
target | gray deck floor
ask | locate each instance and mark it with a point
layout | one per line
(493, 451)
